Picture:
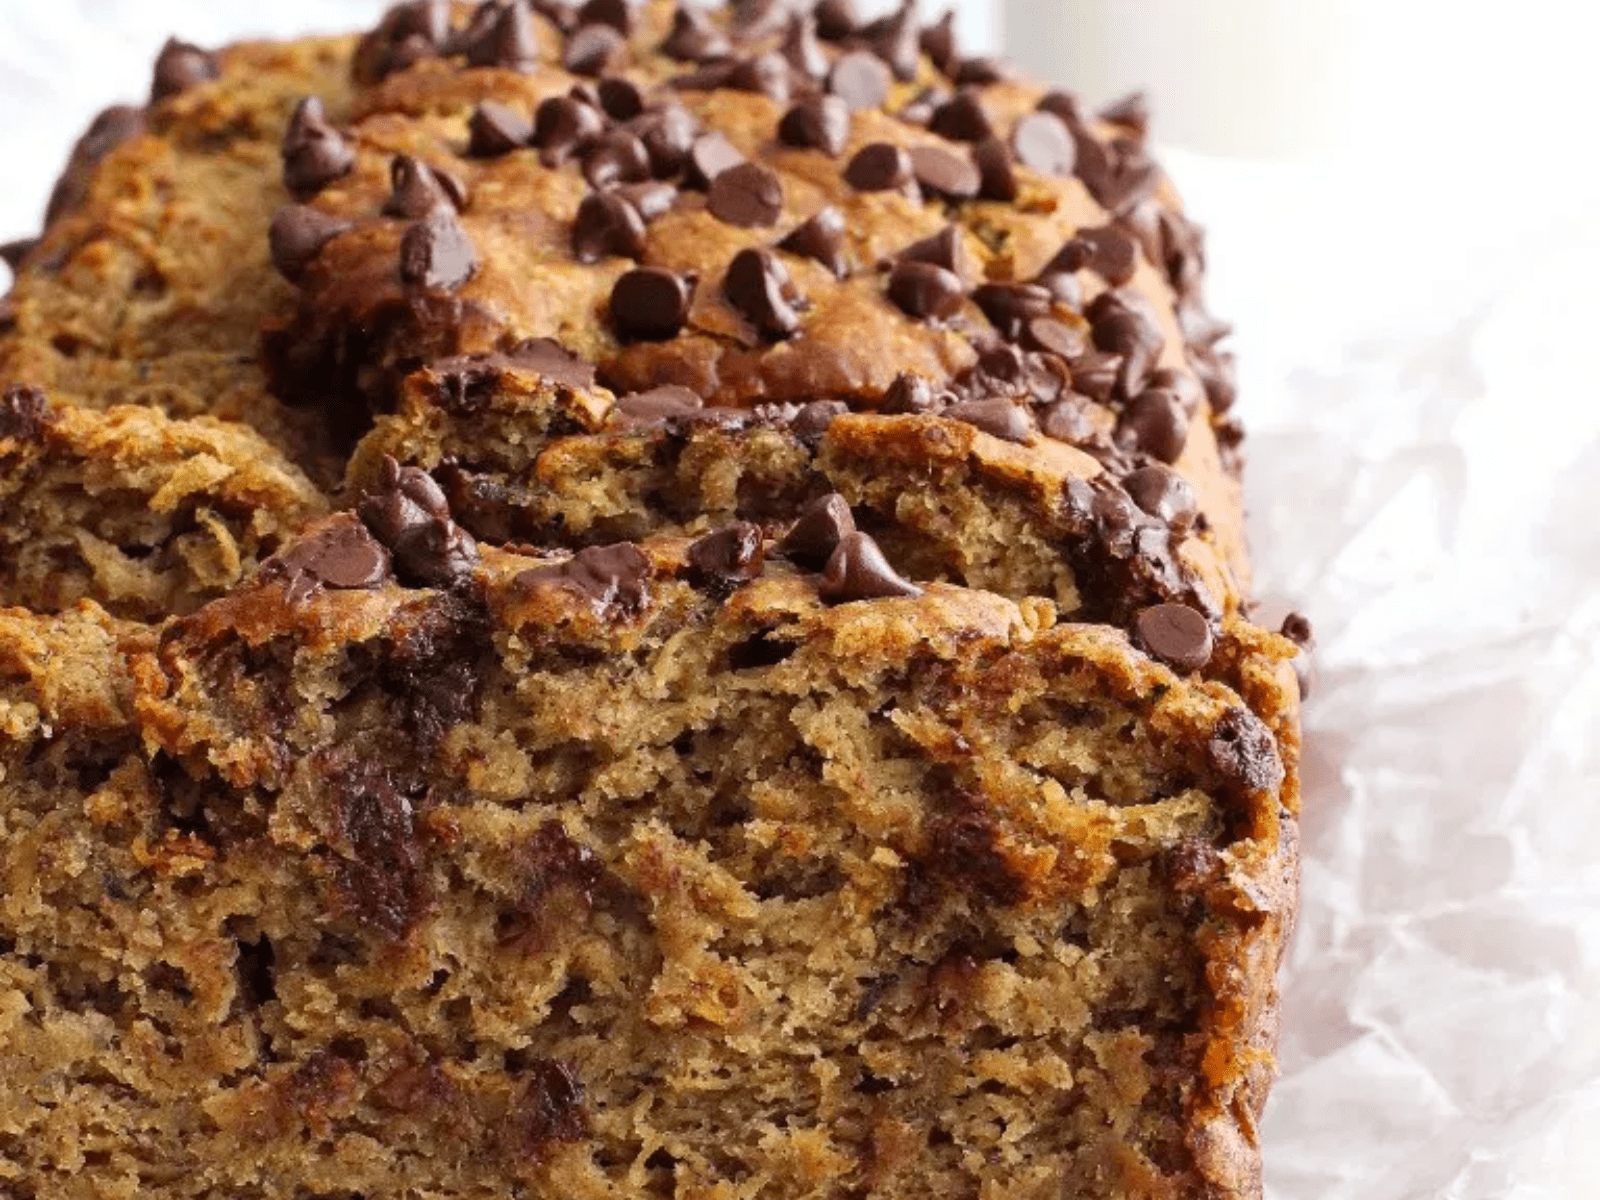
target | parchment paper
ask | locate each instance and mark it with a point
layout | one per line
(1417, 341)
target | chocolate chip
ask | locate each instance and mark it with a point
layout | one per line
(1010, 306)
(947, 249)
(910, 395)
(1118, 175)
(925, 291)
(1003, 418)
(962, 118)
(898, 42)
(1067, 420)
(861, 80)
(1181, 384)
(607, 224)
(1216, 372)
(813, 419)
(553, 361)
(616, 13)
(946, 175)
(1105, 250)
(821, 239)
(436, 252)
(1096, 375)
(757, 19)
(768, 75)
(836, 19)
(297, 235)
(12, 253)
(710, 156)
(410, 515)
(613, 579)
(1131, 112)
(1053, 336)
(758, 285)
(659, 404)
(919, 109)
(748, 196)
(938, 42)
(418, 189)
(695, 37)
(24, 414)
(8, 313)
(801, 49)
(1123, 325)
(1064, 287)
(496, 130)
(817, 123)
(996, 170)
(858, 570)
(1165, 495)
(822, 525)
(1177, 635)
(179, 67)
(651, 198)
(1153, 423)
(617, 156)
(620, 98)
(314, 153)
(880, 167)
(341, 555)
(981, 72)
(407, 33)
(1298, 630)
(563, 127)
(1043, 142)
(727, 559)
(507, 41)
(650, 304)
(110, 129)
(1063, 104)
(1243, 753)
(594, 50)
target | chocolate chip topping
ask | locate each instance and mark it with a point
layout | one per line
(909, 395)
(836, 19)
(767, 75)
(1243, 753)
(879, 167)
(858, 570)
(947, 249)
(748, 196)
(1067, 420)
(24, 414)
(1122, 324)
(418, 189)
(817, 123)
(938, 41)
(962, 118)
(410, 515)
(508, 40)
(1297, 628)
(613, 579)
(727, 559)
(1118, 174)
(12, 253)
(943, 174)
(179, 67)
(1105, 250)
(758, 285)
(314, 152)
(1010, 306)
(563, 127)
(821, 239)
(607, 224)
(999, 416)
(650, 197)
(1165, 495)
(1177, 635)
(616, 13)
(110, 129)
(554, 362)
(594, 49)
(695, 37)
(617, 156)
(650, 304)
(1096, 375)
(996, 170)
(925, 291)
(407, 34)
(1131, 112)
(297, 235)
(341, 555)
(496, 130)
(1042, 141)
(801, 49)
(665, 403)
(861, 80)
(821, 527)
(897, 40)
(1153, 423)
(982, 71)
(1063, 104)
(436, 252)
(711, 155)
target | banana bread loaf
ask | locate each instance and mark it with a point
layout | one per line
(629, 601)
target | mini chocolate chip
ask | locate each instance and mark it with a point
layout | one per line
(419, 189)
(436, 252)
(858, 570)
(342, 555)
(880, 167)
(1165, 495)
(727, 559)
(617, 156)
(1177, 635)
(616, 13)
(1183, 385)
(1043, 142)
(938, 42)
(297, 235)
(314, 152)
(982, 71)
(24, 414)
(947, 249)
(1243, 753)
(822, 525)
(659, 404)
(650, 304)
(620, 98)
(836, 19)
(1131, 112)
(1095, 375)
(1010, 306)
(1153, 423)
(821, 239)
(508, 41)
(819, 123)
(861, 79)
(613, 579)
(668, 132)
(767, 75)
(1123, 325)
(496, 130)
(925, 291)
(946, 175)
(710, 156)
(1054, 336)
(909, 395)
(801, 49)
(695, 37)
(996, 170)
(594, 50)
(1067, 420)
(748, 196)
(1003, 418)
(1298, 630)
(410, 515)
(962, 118)
(563, 127)
(179, 67)
(1063, 104)
(607, 224)
(758, 285)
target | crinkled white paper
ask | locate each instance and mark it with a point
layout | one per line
(1418, 344)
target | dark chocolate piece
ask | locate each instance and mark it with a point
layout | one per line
(563, 127)
(314, 152)
(1243, 753)
(179, 67)
(802, 50)
(1003, 418)
(748, 196)
(758, 285)
(711, 155)
(1177, 635)
(767, 75)
(297, 235)
(947, 249)
(821, 527)
(962, 118)
(943, 174)
(1042, 141)
(817, 123)
(858, 570)
(695, 37)
(594, 50)
(909, 395)
(1165, 495)
(836, 19)
(727, 559)
(821, 239)
(1153, 423)
(938, 42)
(341, 555)
(436, 252)
(419, 189)
(1010, 306)
(410, 515)
(607, 224)
(650, 304)
(925, 291)
(24, 414)
(614, 579)
(497, 130)
(508, 40)
(616, 156)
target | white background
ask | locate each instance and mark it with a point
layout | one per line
(1404, 204)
